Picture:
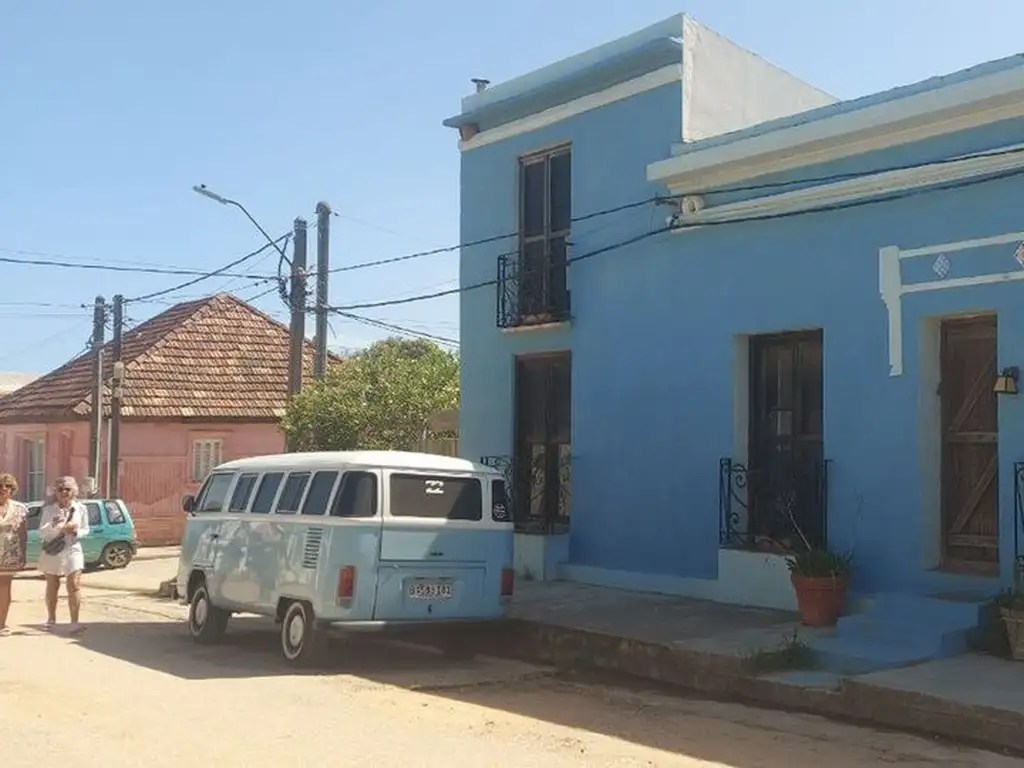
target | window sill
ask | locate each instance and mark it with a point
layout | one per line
(550, 325)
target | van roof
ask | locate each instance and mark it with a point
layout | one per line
(331, 459)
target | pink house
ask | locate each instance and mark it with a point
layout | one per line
(205, 382)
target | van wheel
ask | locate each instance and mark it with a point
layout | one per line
(302, 642)
(206, 622)
(116, 555)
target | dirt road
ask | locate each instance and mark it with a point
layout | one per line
(133, 690)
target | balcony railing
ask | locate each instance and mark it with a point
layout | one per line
(538, 491)
(531, 293)
(781, 508)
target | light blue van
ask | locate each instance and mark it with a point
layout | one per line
(354, 539)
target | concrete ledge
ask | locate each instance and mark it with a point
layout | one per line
(730, 677)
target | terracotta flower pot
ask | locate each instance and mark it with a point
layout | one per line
(821, 600)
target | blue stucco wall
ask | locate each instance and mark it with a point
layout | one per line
(611, 149)
(654, 338)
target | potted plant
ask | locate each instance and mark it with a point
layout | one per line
(820, 579)
(1011, 609)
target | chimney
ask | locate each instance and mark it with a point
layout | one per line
(480, 83)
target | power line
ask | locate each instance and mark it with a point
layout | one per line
(374, 322)
(700, 225)
(132, 270)
(213, 273)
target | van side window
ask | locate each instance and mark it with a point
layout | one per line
(265, 495)
(357, 496)
(291, 496)
(214, 493)
(243, 490)
(319, 493)
(499, 502)
(436, 497)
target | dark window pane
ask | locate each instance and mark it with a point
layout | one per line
(291, 496)
(561, 192)
(34, 516)
(499, 502)
(95, 516)
(242, 492)
(265, 495)
(319, 493)
(532, 278)
(557, 274)
(357, 496)
(436, 496)
(215, 493)
(533, 199)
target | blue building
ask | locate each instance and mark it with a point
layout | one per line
(800, 339)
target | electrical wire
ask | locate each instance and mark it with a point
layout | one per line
(701, 225)
(214, 273)
(375, 323)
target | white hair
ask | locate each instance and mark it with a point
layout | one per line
(68, 481)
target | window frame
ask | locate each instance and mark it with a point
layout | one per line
(442, 477)
(205, 490)
(249, 496)
(277, 491)
(530, 300)
(329, 503)
(215, 457)
(308, 475)
(378, 493)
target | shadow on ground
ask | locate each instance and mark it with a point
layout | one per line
(716, 732)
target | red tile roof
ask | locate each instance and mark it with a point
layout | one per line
(212, 359)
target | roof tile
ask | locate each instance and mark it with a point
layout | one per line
(214, 358)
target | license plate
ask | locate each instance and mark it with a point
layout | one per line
(430, 590)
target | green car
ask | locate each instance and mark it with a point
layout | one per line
(111, 538)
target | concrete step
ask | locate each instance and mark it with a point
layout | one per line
(854, 655)
(944, 638)
(903, 608)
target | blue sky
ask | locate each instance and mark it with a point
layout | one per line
(113, 110)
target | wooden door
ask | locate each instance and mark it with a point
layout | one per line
(970, 444)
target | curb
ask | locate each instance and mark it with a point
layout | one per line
(724, 677)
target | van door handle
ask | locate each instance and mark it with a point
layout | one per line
(95, 530)
(437, 554)
(214, 536)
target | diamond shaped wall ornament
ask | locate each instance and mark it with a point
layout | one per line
(942, 266)
(1019, 253)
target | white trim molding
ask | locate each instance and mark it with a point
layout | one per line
(862, 187)
(937, 111)
(673, 73)
(892, 289)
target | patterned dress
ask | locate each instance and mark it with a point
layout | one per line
(13, 533)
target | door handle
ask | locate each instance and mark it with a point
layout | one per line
(95, 530)
(214, 536)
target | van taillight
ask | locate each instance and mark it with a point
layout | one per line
(346, 583)
(508, 582)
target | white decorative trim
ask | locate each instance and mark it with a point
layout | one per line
(659, 77)
(890, 283)
(903, 120)
(862, 187)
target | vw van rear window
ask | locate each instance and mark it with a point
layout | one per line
(436, 496)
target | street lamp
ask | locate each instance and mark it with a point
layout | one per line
(206, 192)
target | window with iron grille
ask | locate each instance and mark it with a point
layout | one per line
(206, 454)
(545, 220)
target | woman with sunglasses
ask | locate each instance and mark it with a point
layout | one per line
(13, 532)
(61, 524)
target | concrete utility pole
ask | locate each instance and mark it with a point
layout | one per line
(99, 318)
(116, 395)
(297, 327)
(323, 266)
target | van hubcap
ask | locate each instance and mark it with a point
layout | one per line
(296, 630)
(199, 613)
(117, 556)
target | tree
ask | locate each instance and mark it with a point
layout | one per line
(380, 398)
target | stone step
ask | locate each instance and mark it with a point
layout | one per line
(854, 655)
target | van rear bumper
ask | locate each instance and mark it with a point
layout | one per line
(342, 627)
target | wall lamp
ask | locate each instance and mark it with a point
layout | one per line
(1007, 381)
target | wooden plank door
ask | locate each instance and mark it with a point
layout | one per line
(970, 444)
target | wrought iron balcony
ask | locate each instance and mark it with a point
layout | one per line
(538, 491)
(531, 292)
(782, 507)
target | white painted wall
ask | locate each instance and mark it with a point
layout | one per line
(726, 87)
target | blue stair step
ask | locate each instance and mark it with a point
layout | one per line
(858, 656)
(943, 638)
(904, 607)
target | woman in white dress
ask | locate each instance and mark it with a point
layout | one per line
(13, 518)
(66, 519)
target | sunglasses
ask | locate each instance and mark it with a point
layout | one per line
(6, 487)
(63, 490)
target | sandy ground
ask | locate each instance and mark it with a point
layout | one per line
(133, 690)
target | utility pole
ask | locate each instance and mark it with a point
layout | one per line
(99, 317)
(297, 293)
(323, 265)
(116, 395)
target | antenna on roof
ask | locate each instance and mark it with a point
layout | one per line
(480, 83)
